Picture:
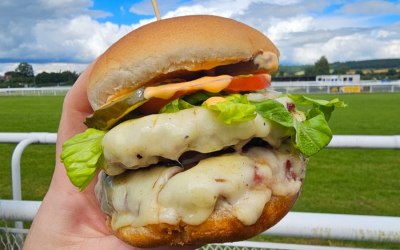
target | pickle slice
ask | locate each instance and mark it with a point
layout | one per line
(108, 115)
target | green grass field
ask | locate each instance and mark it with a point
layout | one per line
(29, 114)
(350, 181)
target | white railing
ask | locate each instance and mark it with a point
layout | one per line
(295, 224)
(336, 87)
(286, 87)
(34, 91)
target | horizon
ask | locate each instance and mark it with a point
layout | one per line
(69, 34)
(68, 67)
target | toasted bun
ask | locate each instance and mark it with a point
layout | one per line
(221, 226)
(188, 43)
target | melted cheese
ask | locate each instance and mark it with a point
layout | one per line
(239, 183)
(213, 84)
(229, 176)
(140, 142)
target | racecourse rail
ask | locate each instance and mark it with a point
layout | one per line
(311, 87)
(295, 224)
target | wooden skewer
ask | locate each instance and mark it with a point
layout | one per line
(155, 7)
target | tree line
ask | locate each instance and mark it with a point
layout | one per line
(389, 69)
(23, 76)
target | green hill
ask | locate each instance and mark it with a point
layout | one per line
(368, 64)
(369, 69)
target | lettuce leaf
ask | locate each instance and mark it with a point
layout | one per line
(310, 135)
(274, 111)
(175, 106)
(326, 107)
(82, 156)
(199, 97)
(234, 109)
(189, 101)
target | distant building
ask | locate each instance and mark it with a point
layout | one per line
(338, 79)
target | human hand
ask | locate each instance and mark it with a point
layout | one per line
(69, 218)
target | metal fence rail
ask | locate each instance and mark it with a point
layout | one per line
(34, 91)
(295, 224)
(337, 87)
(285, 87)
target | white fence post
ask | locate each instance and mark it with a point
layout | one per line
(27, 139)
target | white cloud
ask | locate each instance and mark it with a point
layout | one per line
(359, 45)
(304, 32)
(5, 67)
(80, 39)
(282, 28)
(225, 8)
(54, 31)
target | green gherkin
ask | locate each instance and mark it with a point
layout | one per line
(108, 115)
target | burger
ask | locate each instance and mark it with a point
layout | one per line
(190, 143)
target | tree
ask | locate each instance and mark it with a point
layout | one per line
(22, 76)
(341, 70)
(321, 67)
(359, 72)
(310, 71)
(53, 78)
(25, 69)
(392, 74)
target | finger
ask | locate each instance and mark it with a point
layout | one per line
(76, 108)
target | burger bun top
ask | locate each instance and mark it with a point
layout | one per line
(187, 43)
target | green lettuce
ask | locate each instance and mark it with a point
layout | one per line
(175, 106)
(186, 102)
(274, 111)
(234, 109)
(199, 97)
(324, 106)
(82, 156)
(310, 135)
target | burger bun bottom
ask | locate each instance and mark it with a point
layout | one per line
(221, 226)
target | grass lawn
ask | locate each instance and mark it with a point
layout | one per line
(357, 181)
(29, 114)
(350, 181)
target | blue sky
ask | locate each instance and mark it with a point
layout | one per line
(128, 12)
(119, 11)
(69, 34)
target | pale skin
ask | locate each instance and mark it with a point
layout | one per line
(68, 218)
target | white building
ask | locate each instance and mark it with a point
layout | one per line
(338, 79)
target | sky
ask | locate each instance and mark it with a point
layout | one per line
(58, 35)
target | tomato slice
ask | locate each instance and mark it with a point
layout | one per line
(250, 82)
